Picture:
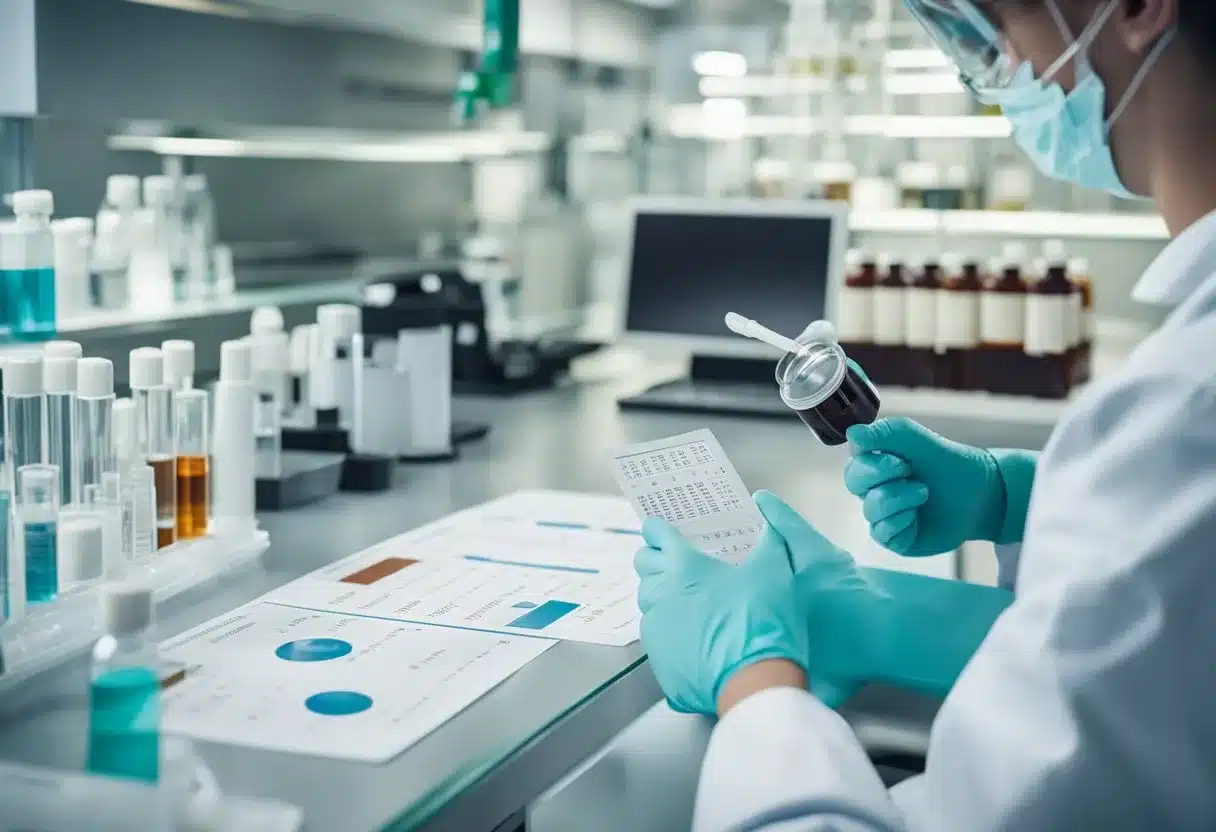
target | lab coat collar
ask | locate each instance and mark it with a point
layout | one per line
(1182, 267)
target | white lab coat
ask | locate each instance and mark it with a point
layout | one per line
(1092, 703)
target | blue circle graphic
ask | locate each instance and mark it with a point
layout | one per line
(313, 650)
(338, 703)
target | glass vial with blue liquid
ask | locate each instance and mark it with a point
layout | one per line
(27, 264)
(37, 492)
(124, 692)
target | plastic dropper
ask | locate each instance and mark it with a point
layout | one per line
(748, 328)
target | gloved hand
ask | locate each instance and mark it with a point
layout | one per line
(703, 619)
(923, 494)
(874, 625)
(848, 617)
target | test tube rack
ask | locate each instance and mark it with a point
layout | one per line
(46, 636)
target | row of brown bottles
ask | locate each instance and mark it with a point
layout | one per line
(948, 322)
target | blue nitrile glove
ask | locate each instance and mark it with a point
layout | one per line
(703, 619)
(924, 495)
(873, 625)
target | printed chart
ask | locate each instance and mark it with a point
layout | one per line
(330, 685)
(688, 481)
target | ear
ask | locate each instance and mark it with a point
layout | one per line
(1141, 23)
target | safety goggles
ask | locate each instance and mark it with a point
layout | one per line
(971, 40)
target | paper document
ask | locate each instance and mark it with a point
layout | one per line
(688, 481)
(534, 564)
(330, 685)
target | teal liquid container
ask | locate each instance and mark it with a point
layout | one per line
(124, 694)
(27, 268)
(38, 521)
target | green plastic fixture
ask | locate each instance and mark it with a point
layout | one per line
(494, 81)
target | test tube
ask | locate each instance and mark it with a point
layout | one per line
(179, 364)
(190, 408)
(22, 414)
(270, 364)
(59, 380)
(106, 500)
(138, 485)
(12, 568)
(38, 517)
(154, 415)
(234, 441)
(94, 452)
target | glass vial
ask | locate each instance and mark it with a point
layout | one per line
(138, 483)
(59, 381)
(154, 416)
(38, 518)
(124, 691)
(270, 365)
(95, 449)
(28, 265)
(106, 501)
(190, 408)
(179, 364)
(23, 406)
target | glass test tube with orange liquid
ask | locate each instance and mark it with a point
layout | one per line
(190, 409)
(154, 412)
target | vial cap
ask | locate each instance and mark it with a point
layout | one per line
(72, 228)
(23, 376)
(266, 320)
(236, 361)
(125, 426)
(126, 607)
(338, 320)
(62, 349)
(122, 191)
(271, 353)
(81, 547)
(94, 378)
(952, 262)
(146, 367)
(178, 360)
(195, 182)
(158, 190)
(33, 202)
(59, 374)
(853, 259)
(1079, 267)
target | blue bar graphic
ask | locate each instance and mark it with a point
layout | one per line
(551, 567)
(544, 615)
(553, 524)
(633, 532)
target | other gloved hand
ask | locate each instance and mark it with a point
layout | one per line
(848, 617)
(703, 619)
(924, 495)
(874, 625)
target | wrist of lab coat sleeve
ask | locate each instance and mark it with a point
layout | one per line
(1017, 470)
(780, 746)
(1008, 556)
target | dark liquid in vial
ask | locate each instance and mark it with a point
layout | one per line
(853, 403)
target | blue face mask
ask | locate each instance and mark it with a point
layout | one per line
(1067, 135)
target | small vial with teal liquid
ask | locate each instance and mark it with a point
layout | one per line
(27, 266)
(124, 694)
(38, 524)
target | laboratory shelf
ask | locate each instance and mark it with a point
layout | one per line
(49, 635)
(1056, 224)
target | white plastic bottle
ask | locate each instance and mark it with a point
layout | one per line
(198, 228)
(113, 239)
(1003, 302)
(234, 448)
(890, 294)
(73, 252)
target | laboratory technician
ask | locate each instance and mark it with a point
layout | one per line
(1091, 702)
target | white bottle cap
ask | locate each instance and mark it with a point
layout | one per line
(236, 361)
(73, 228)
(1078, 267)
(271, 352)
(33, 202)
(178, 360)
(126, 607)
(146, 367)
(1013, 254)
(94, 378)
(62, 349)
(126, 440)
(266, 320)
(303, 346)
(952, 263)
(122, 192)
(350, 320)
(23, 377)
(81, 547)
(59, 375)
(883, 261)
(158, 190)
(195, 182)
(853, 259)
